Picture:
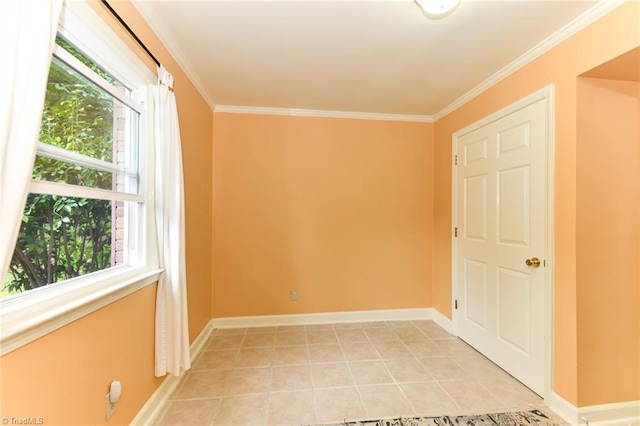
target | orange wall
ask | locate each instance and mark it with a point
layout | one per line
(608, 196)
(338, 209)
(64, 376)
(196, 131)
(607, 38)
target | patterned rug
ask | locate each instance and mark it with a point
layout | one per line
(516, 418)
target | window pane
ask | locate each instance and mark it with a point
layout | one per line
(52, 170)
(88, 62)
(80, 117)
(77, 115)
(65, 237)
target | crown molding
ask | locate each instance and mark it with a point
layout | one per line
(587, 18)
(322, 113)
(593, 14)
(174, 50)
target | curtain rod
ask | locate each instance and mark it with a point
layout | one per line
(130, 31)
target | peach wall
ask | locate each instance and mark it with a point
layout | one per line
(608, 196)
(605, 39)
(338, 209)
(64, 376)
(196, 131)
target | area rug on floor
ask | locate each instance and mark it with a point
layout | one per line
(516, 418)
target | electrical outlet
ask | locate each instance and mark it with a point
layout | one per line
(294, 295)
(110, 407)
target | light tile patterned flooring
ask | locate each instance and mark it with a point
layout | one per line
(296, 375)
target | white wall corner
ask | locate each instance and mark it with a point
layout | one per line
(148, 414)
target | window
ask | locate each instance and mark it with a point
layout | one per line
(83, 241)
(85, 192)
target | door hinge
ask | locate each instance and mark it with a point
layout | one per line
(456, 304)
(455, 231)
(455, 160)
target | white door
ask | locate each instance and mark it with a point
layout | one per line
(500, 215)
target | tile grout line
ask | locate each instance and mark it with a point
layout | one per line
(386, 368)
(268, 401)
(449, 351)
(313, 387)
(355, 385)
(415, 412)
(415, 357)
(271, 367)
(455, 401)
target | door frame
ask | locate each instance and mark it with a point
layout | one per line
(546, 94)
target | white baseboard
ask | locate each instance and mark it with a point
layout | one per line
(149, 412)
(563, 408)
(623, 413)
(443, 321)
(326, 318)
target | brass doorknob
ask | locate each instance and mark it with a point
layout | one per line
(534, 262)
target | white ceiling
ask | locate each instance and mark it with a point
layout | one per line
(358, 55)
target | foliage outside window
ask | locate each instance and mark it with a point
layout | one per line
(85, 185)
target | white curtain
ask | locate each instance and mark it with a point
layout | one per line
(27, 35)
(172, 331)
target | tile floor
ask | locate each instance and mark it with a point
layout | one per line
(297, 375)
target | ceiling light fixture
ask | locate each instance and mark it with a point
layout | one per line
(437, 8)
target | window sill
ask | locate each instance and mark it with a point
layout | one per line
(27, 317)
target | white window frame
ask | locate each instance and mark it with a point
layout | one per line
(27, 316)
